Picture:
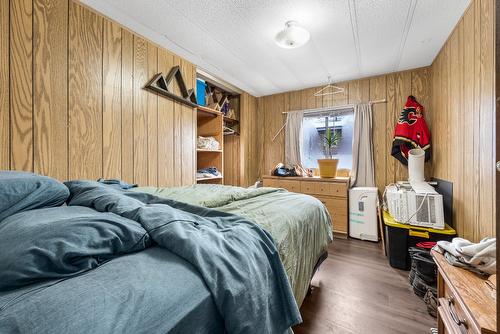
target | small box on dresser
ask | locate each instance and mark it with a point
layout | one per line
(332, 192)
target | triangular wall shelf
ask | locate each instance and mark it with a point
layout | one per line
(159, 84)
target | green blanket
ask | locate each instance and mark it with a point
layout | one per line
(299, 224)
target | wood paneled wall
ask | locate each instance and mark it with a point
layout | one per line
(394, 87)
(242, 154)
(72, 103)
(463, 104)
(251, 141)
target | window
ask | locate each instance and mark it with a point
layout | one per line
(313, 132)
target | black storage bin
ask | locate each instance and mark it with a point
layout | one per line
(400, 237)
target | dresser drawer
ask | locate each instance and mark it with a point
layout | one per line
(339, 223)
(335, 205)
(452, 315)
(308, 187)
(290, 185)
(338, 212)
(323, 188)
(272, 183)
(338, 189)
(453, 310)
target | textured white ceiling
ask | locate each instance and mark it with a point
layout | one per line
(350, 39)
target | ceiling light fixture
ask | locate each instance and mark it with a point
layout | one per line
(293, 36)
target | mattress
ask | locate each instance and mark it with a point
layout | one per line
(299, 224)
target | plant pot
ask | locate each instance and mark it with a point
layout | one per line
(328, 167)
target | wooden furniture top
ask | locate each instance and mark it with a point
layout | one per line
(478, 297)
(306, 178)
(209, 111)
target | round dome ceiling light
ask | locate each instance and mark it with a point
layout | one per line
(293, 36)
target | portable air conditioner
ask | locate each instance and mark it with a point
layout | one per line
(416, 204)
(363, 203)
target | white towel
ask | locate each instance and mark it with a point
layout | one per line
(481, 256)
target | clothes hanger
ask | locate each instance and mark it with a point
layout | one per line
(323, 91)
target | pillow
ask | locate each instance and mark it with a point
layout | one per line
(21, 191)
(61, 242)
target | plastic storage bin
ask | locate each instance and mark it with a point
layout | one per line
(363, 213)
(400, 237)
(200, 92)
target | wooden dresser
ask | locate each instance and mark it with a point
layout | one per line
(331, 192)
(467, 303)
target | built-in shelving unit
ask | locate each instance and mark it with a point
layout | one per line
(210, 124)
(223, 99)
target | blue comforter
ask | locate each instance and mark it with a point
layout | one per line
(236, 261)
(152, 291)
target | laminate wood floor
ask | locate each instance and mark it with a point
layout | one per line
(356, 291)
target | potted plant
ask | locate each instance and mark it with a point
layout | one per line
(328, 166)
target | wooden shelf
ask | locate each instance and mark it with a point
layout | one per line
(231, 120)
(205, 111)
(210, 124)
(208, 151)
(201, 179)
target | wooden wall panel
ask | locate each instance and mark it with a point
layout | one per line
(85, 93)
(271, 108)
(402, 90)
(140, 111)
(21, 87)
(468, 107)
(86, 114)
(152, 118)
(112, 103)
(177, 134)
(232, 161)
(421, 87)
(487, 171)
(381, 146)
(463, 98)
(50, 88)
(127, 107)
(250, 155)
(165, 128)
(4, 85)
(188, 130)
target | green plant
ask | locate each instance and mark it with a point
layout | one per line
(332, 140)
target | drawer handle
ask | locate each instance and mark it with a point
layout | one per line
(453, 313)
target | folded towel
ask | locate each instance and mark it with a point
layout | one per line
(478, 257)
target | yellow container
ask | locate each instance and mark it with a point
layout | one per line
(328, 167)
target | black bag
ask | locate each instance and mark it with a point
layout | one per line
(281, 170)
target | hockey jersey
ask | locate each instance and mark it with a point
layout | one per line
(411, 132)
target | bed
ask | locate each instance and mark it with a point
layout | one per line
(299, 224)
(152, 275)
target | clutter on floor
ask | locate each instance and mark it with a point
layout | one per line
(423, 275)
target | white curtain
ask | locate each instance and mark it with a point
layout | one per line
(293, 137)
(362, 173)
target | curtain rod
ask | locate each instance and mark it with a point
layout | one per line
(308, 111)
